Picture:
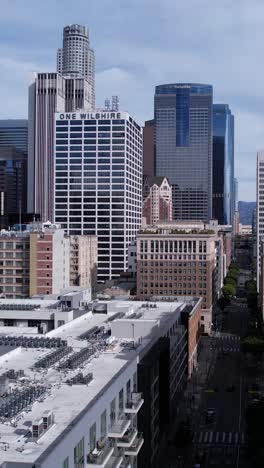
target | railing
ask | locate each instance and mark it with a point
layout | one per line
(135, 402)
(100, 454)
(119, 427)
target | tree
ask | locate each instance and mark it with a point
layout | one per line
(228, 291)
(230, 280)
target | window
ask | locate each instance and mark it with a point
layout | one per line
(79, 454)
(121, 401)
(128, 390)
(135, 382)
(92, 437)
(103, 424)
(113, 411)
(66, 463)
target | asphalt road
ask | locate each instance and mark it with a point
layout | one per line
(222, 440)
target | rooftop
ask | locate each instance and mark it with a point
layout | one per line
(64, 354)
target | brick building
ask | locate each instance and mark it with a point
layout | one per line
(44, 260)
(176, 262)
(157, 200)
(49, 261)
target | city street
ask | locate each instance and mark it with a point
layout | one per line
(221, 439)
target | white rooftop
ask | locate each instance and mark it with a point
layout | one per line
(66, 402)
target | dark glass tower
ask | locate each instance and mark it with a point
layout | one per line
(14, 132)
(13, 184)
(223, 164)
(183, 146)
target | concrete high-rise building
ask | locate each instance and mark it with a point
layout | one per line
(49, 93)
(148, 148)
(260, 208)
(223, 164)
(98, 182)
(183, 146)
(157, 200)
(76, 58)
(14, 132)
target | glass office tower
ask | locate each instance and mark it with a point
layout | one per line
(14, 132)
(223, 164)
(183, 146)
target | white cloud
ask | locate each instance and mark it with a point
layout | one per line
(141, 44)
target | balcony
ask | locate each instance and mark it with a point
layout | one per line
(126, 463)
(119, 427)
(128, 438)
(114, 462)
(100, 456)
(135, 447)
(135, 403)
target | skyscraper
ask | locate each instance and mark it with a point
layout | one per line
(49, 93)
(260, 208)
(98, 182)
(76, 58)
(13, 169)
(183, 146)
(148, 148)
(13, 184)
(223, 164)
(14, 132)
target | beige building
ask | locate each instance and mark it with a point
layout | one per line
(172, 261)
(14, 264)
(157, 200)
(83, 261)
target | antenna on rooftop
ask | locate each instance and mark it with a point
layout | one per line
(107, 104)
(115, 103)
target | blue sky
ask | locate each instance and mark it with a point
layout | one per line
(142, 43)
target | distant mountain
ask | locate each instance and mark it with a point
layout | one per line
(245, 211)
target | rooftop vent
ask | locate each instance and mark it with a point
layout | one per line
(37, 428)
(48, 419)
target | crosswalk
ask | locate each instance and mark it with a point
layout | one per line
(229, 337)
(218, 438)
(230, 349)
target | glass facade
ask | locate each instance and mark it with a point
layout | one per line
(183, 146)
(14, 133)
(13, 183)
(223, 164)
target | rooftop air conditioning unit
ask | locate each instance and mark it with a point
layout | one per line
(37, 428)
(48, 419)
